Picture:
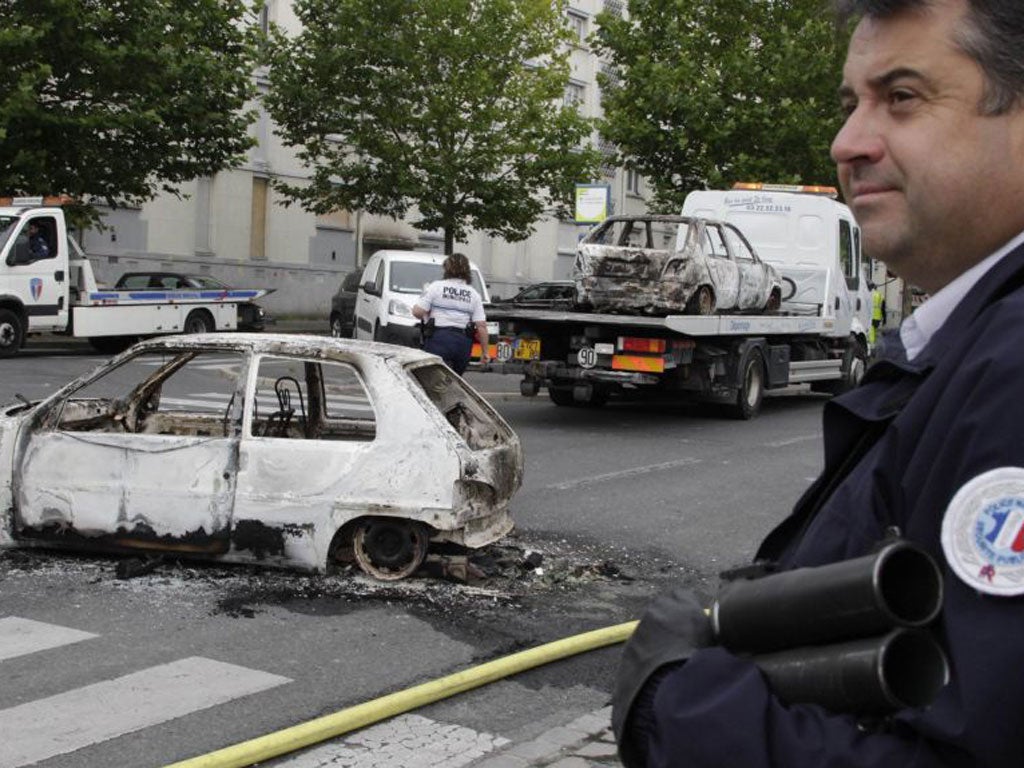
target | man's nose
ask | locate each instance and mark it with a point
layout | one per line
(860, 139)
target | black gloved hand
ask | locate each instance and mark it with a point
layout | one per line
(671, 629)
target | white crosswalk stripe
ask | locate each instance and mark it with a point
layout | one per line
(65, 722)
(19, 637)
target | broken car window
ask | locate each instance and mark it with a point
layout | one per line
(311, 400)
(168, 393)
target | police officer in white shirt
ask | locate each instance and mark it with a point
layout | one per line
(458, 314)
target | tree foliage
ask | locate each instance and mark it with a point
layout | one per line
(114, 101)
(709, 92)
(451, 106)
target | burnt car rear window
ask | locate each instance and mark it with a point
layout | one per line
(475, 422)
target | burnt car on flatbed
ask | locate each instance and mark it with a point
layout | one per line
(663, 265)
(290, 451)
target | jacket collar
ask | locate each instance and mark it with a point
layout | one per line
(892, 379)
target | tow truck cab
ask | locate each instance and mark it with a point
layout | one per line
(35, 282)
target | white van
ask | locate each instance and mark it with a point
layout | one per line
(809, 237)
(391, 283)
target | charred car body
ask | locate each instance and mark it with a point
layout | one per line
(662, 265)
(290, 451)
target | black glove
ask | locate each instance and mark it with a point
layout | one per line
(671, 629)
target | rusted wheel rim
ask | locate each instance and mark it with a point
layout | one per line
(389, 549)
(705, 301)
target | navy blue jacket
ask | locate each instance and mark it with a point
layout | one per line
(954, 412)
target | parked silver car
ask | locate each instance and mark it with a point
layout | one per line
(660, 265)
(291, 451)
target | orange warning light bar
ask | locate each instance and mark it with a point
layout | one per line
(38, 201)
(810, 189)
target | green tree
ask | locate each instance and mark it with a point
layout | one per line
(709, 92)
(454, 107)
(114, 101)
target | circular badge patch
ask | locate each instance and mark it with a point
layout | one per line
(983, 532)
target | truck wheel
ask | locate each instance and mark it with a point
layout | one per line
(198, 321)
(855, 362)
(750, 391)
(702, 302)
(12, 333)
(562, 396)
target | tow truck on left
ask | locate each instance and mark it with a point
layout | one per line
(47, 286)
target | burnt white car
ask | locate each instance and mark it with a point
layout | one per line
(290, 451)
(662, 264)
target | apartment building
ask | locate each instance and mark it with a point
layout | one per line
(233, 226)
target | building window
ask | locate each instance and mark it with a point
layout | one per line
(574, 95)
(609, 161)
(577, 24)
(615, 7)
(610, 73)
(264, 18)
(258, 226)
(634, 184)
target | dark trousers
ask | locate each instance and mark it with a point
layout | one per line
(452, 345)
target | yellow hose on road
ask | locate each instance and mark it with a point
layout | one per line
(370, 712)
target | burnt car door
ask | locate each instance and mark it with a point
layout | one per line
(723, 270)
(308, 441)
(754, 281)
(140, 454)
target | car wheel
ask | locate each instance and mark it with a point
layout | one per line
(702, 302)
(750, 389)
(774, 302)
(198, 321)
(12, 333)
(336, 330)
(389, 548)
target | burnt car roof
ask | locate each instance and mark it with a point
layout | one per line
(285, 343)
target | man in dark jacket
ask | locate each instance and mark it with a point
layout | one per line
(37, 244)
(931, 161)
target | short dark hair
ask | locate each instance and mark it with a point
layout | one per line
(456, 267)
(993, 37)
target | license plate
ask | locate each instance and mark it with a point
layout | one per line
(519, 349)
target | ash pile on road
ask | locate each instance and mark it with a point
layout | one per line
(509, 574)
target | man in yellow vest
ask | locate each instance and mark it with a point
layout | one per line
(877, 313)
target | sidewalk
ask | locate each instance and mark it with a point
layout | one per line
(586, 742)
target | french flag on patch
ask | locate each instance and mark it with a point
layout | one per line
(35, 285)
(1009, 531)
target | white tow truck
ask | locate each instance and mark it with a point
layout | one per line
(47, 286)
(816, 337)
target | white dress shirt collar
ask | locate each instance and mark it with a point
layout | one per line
(917, 330)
